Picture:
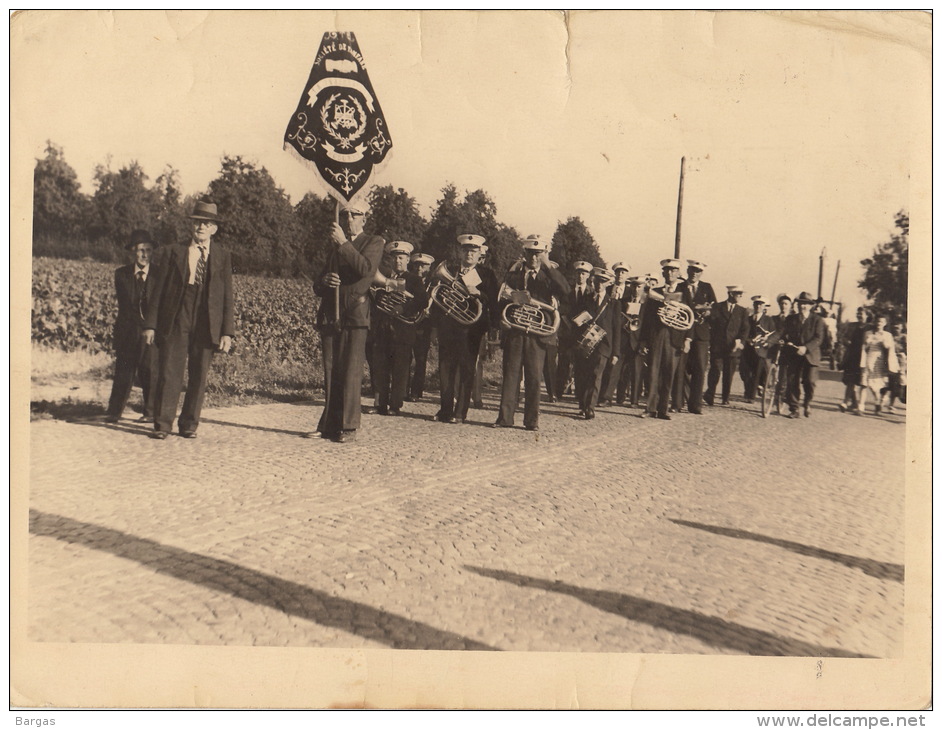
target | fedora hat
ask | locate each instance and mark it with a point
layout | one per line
(139, 235)
(805, 298)
(204, 211)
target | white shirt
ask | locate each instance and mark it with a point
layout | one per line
(193, 258)
(145, 271)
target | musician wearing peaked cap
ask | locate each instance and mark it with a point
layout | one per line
(634, 369)
(569, 306)
(620, 293)
(399, 298)
(420, 264)
(754, 365)
(692, 366)
(536, 283)
(459, 342)
(729, 327)
(662, 342)
(601, 312)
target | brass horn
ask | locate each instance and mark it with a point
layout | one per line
(532, 316)
(454, 299)
(676, 315)
(391, 300)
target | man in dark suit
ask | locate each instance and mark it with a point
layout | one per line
(394, 330)
(632, 366)
(599, 309)
(692, 367)
(663, 344)
(191, 315)
(343, 319)
(134, 285)
(620, 294)
(805, 330)
(729, 327)
(420, 264)
(459, 342)
(538, 279)
(754, 365)
(569, 306)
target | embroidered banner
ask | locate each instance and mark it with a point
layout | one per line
(338, 125)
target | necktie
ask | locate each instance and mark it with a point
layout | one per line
(527, 279)
(200, 267)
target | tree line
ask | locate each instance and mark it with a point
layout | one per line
(266, 234)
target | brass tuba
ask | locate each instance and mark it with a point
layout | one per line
(392, 301)
(532, 316)
(454, 299)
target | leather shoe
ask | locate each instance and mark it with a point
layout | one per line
(393, 412)
(645, 414)
(111, 419)
(188, 434)
(696, 413)
(794, 414)
(663, 416)
(807, 411)
(499, 425)
(145, 419)
(532, 428)
(159, 435)
(589, 414)
(410, 399)
(726, 401)
(345, 437)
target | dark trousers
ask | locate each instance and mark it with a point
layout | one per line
(613, 377)
(391, 369)
(801, 376)
(632, 372)
(663, 360)
(522, 352)
(565, 356)
(753, 369)
(589, 374)
(691, 375)
(134, 360)
(188, 348)
(344, 353)
(458, 349)
(550, 365)
(725, 365)
(419, 353)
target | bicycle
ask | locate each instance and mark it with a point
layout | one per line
(771, 394)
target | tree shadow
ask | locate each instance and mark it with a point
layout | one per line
(66, 410)
(252, 427)
(874, 568)
(247, 584)
(710, 630)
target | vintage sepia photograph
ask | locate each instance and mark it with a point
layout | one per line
(471, 359)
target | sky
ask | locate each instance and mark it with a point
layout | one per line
(802, 132)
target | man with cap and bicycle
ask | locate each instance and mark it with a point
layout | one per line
(754, 365)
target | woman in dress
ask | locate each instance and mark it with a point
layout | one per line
(850, 363)
(877, 361)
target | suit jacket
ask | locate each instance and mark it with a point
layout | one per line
(132, 301)
(726, 327)
(653, 329)
(764, 322)
(700, 332)
(809, 333)
(356, 263)
(170, 285)
(609, 320)
(547, 283)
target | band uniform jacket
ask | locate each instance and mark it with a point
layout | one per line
(170, 285)
(548, 283)
(652, 326)
(809, 333)
(609, 320)
(132, 303)
(400, 331)
(356, 263)
(487, 295)
(726, 327)
(569, 307)
(700, 332)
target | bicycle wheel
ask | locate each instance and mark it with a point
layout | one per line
(770, 388)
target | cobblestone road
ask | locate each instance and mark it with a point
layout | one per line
(720, 534)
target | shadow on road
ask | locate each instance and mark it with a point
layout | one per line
(874, 568)
(260, 588)
(251, 427)
(708, 629)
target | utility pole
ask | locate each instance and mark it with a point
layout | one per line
(680, 207)
(821, 270)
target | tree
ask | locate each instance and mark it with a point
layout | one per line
(122, 202)
(394, 215)
(886, 276)
(476, 214)
(173, 225)
(258, 223)
(59, 208)
(315, 216)
(572, 242)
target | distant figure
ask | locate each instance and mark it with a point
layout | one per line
(877, 361)
(897, 380)
(134, 358)
(192, 313)
(850, 363)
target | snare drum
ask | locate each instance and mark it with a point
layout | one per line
(590, 339)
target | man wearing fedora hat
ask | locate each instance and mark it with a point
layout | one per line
(729, 327)
(537, 279)
(134, 287)
(805, 331)
(192, 316)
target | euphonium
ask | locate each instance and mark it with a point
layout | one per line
(392, 301)
(533, 316)
(454, 299)
(675, 315)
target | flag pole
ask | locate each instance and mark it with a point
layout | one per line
(680, 207)
(337, 288)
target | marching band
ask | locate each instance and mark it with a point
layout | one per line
(606, 336)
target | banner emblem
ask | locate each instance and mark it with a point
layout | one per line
(338, 125)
